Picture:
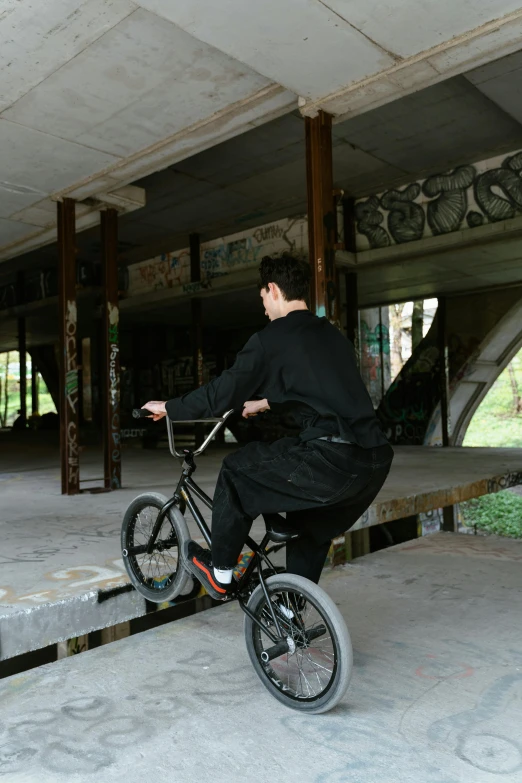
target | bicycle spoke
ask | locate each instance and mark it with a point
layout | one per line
(156, 569)
(307, 670)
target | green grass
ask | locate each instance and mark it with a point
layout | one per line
(45, 402)
(496, 422)
(500, 513)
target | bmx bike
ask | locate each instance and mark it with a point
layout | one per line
(296, 637)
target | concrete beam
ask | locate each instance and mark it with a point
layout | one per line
(497, 38)
(125, 199)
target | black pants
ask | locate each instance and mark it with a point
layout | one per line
(323, 487)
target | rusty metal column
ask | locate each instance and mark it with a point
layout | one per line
(197, 311)
(352, 299)
(111, 351)
(68, 352)
(321, 216)
(35, 402)
(22, 346)
(22, 353)
(197, 325)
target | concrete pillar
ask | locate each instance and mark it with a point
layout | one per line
(68, 366)
(375, 351)
(322, 217)
(111, 351)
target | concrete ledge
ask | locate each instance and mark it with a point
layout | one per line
(60, 555)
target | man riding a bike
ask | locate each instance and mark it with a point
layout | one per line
(324, 479)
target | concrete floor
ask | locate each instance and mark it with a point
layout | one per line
(436, 693)
(59, 554)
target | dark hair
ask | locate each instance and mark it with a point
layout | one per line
(291, 274)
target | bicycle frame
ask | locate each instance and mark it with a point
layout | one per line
(183, 497)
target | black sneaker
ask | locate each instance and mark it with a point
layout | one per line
(199, 562)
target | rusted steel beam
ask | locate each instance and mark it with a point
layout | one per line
(22, 346)
(197, 311)
(22, 353)
(35, 388)
(111, 351)
(68, 367)
(322, 218)
(352, 299)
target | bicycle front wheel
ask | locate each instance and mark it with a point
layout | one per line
(161, 575)
(314, 674)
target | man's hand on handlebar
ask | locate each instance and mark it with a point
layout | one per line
(253, 407)
(157, 409)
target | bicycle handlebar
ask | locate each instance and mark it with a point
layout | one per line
(144, 413)
(141, 413)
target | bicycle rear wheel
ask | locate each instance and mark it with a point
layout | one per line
(315, 672)
(161, 575)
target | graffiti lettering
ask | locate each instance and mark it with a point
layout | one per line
(134, 433)
(71, 396)
(266, 233)
(114, 395)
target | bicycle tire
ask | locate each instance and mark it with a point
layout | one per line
(171, 584)
(336, 627)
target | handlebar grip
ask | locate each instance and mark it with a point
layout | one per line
(141, 413)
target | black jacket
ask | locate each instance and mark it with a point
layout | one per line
(301, 364)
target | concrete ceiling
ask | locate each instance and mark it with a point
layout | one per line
(259, 176)
(98, 93)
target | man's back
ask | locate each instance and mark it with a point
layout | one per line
(311, 364)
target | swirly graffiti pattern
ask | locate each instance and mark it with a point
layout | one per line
(466, 197)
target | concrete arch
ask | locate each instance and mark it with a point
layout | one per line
(477, 376)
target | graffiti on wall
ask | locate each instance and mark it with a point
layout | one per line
(71, 396)
(407, 406)
(114, 397)
(466, 197)
(218, 257)
(375, 355)
(164, 271)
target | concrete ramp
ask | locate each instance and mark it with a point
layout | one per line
(435, 694)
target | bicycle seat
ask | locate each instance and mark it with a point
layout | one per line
(280, 532)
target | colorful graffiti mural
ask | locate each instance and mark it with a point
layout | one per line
(219, 257)
(375, 351)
